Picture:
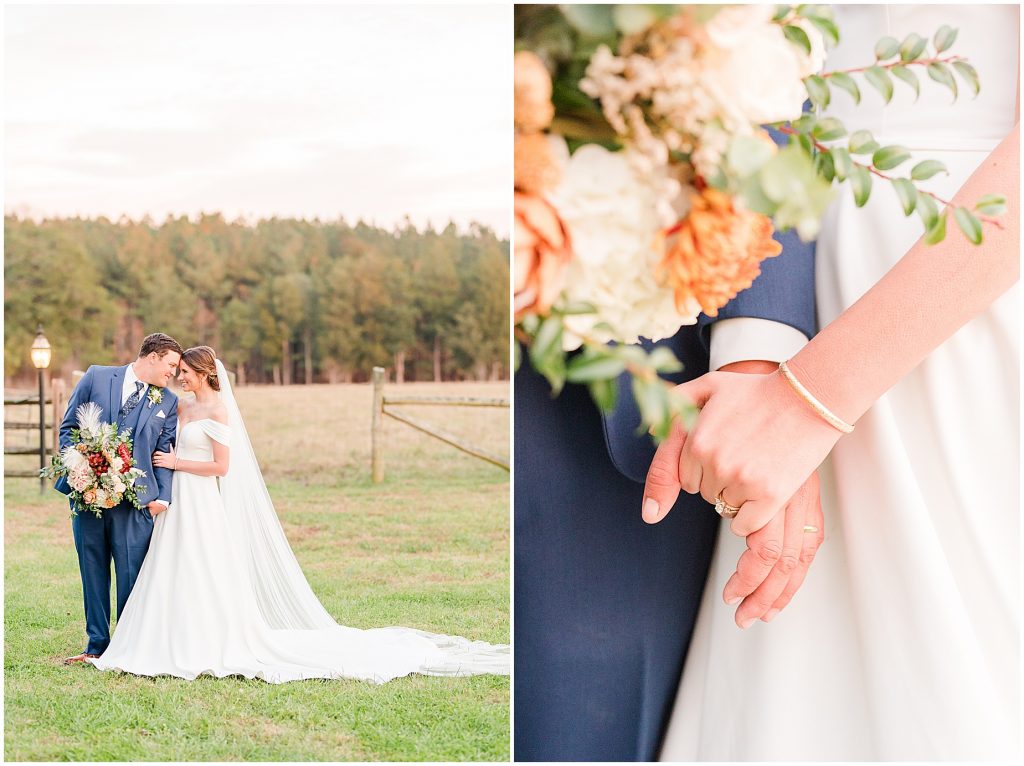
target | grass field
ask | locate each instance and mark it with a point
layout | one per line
(426, 549)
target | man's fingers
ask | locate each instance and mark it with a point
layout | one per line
(812, 540)
(698, 390)
(662, 487)
(763, 551)
(760, 602)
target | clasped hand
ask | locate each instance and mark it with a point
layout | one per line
(756, 446)
(165, 459)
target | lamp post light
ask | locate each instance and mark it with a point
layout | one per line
(40, 353)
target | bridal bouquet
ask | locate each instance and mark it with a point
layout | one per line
(647, 187)
(98, 464)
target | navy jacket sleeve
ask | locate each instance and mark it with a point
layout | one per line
(81, 395)
(168, 432)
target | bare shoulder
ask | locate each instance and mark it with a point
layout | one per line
(219, 413)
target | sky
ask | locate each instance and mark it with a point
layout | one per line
(347, 111)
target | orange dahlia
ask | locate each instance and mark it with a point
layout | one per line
(715, 252)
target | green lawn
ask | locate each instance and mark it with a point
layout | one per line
(427, 549)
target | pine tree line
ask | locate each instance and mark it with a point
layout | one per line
(282, 301)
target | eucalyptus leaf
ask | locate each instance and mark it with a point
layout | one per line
(781, 12)
(862, 142)
(546, 341)
(662, 359)
(991, 204)
(843, 81)
(842, 161)
(907, 193)
(927, 210)
(590, 20)
(827, 27)
(880, 81)
(747, 154)
(889, 157)
(860, 180)
(969, 225)
(912, 47)
(817, 90)
(937, 231)
(924, 170)
(633, 18)
(944, 38)
(797, 35)
(652, 401)
(905, 74)
(825, 166)
(804, 124)
(828, 129)
(886, 48)
(941, 74)
(969, 75)
(604, 393)
(584, 369)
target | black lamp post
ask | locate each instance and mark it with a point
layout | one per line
(41, 360)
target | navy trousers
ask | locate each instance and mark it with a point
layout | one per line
(604, 603)
(122, 535)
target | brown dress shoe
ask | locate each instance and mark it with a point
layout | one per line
(79, 658)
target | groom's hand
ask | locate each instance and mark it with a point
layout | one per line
(777, 558)
(155, 508)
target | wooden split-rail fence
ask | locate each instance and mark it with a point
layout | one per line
(385, 404)
(13, 405)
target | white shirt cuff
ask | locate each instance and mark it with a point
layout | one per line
(745, 338)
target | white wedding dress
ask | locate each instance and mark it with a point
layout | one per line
(903, 642)
(220, 592)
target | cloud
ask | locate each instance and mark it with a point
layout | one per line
(375, 112)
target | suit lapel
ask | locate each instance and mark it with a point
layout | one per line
(116, 383)
(147, 411)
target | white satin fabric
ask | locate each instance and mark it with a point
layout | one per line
(903, 643)
(194, 609)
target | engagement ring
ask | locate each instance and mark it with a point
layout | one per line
(725, 510)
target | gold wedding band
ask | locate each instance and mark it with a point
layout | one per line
(810, 528)
(723, 509)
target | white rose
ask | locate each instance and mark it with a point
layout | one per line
(614, 214)
(116, 465)
(752, 70)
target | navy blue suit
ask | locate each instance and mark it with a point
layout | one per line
(604, 603)
(122, 535)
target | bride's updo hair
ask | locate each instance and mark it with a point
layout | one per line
(203, 360)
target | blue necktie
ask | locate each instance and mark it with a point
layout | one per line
(133, 401)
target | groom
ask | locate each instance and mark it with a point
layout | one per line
(133, 396)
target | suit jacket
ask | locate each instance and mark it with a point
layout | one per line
(154, 433)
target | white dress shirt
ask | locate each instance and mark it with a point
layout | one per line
(744, 338)
(127, 389)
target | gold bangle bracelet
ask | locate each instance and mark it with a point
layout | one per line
(824, 412)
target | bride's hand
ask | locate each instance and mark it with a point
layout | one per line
(164, 459)
(755, 443)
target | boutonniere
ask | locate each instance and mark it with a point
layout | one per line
(155, 396)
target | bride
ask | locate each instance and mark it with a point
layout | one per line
(220, 591)
(904, 642)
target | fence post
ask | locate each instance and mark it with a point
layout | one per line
(376, 425)
(59, 389)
